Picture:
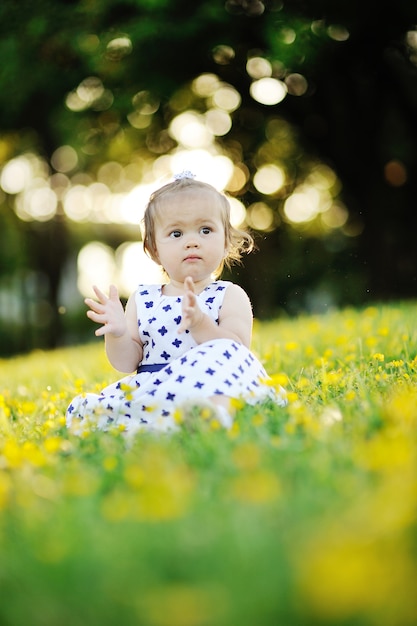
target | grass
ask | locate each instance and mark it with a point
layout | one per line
(304, 515)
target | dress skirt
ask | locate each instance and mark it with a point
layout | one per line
(153, 398)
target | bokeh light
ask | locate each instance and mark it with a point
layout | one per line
(338, 32)
(258, 67)
(268, 91)
(336, 216)
(205, 85)
(135, 267)
(297, 84)
(302, 206)
(190, 130)
(227, 98)
(237, 212)
(218, 122)
(89, 93)
(39, 203)
(395, 173)
(260, 216)
(269, 179)
(127, 267)
(64, 159)
(118, 48)
(16, 175)
(96, 266)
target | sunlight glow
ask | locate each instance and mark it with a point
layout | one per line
(135, 267)
(215, 170)
(133, 204)
(189, 130)
(237, 212)
(96, 266)
(126, 267)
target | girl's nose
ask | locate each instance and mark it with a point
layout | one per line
(191, 243)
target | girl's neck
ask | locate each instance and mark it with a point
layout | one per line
(176, 288)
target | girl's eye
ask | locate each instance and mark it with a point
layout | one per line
(206, 230)
(175, 234)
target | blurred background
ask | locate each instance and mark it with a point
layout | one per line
(304, 113)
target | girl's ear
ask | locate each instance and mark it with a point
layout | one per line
(155, 257)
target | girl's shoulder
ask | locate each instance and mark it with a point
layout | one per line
(217, 286)
(215, 292)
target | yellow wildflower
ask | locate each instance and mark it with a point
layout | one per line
(256, 487)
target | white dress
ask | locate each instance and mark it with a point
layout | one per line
(175, 370)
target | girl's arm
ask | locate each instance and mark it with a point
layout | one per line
(119, 327)
(235, 319)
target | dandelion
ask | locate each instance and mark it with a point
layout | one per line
(302, 383)
(237, 404)
(110, 463)
(291, 397)
(342, 577)
(247, 456)
(290, 346)
(53, 444)
(258, 419)
(396, 363)
(383, 331)
(350, 395)
(183, 605)
(320, 499)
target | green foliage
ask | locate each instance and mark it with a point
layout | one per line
(297, 515)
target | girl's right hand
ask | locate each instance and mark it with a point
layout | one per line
(108, 312)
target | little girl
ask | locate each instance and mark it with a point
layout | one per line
(187, 340)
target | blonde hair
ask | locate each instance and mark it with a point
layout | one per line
(237, 242)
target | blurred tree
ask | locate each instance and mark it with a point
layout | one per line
(109, 77)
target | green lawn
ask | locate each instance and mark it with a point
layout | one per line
(304, 515)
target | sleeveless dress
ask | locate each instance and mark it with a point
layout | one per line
(175, 370)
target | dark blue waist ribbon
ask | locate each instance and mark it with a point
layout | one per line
(152, 367)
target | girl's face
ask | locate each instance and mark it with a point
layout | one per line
(190, 236)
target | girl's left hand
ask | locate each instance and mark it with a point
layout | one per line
(191, 312)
